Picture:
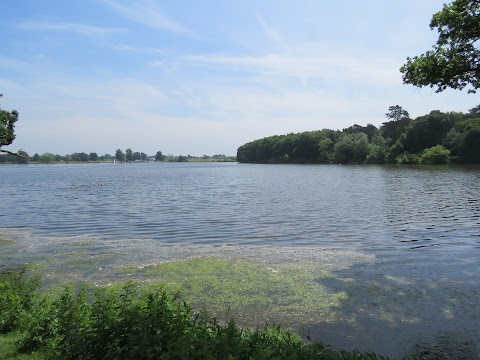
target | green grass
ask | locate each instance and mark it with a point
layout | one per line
(134, 322)
(10, 348)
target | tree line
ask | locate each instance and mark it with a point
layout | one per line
(48, 157)
(435, 138)
(22, 157)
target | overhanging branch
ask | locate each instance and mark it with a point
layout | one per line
(14, 153)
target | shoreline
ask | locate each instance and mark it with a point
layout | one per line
(390, 302)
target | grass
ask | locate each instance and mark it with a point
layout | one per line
(134, 322)
(10, 348)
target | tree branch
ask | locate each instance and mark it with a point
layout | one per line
(14, 153)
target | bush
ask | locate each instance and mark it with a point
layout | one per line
(407, 158)
(435, 155)
(17, 296)
(135, 323)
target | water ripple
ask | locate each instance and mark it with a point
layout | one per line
(286, 205)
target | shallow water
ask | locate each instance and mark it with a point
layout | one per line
(374, 207)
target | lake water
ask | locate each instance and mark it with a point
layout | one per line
(402, 243)
(373, 207)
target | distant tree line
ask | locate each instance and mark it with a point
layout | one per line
(120, 156)
(436, 138)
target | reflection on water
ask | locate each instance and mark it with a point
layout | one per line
(374, 207)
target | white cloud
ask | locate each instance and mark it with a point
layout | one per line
(310, 67)
(272, 34)
(145, 12)
(80, 29)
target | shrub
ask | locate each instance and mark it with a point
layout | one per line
(135, 323)
(17, 295)
(435, 155)
(407, 158)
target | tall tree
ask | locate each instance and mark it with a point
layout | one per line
(397, 113)
(475, 110)
(119, 155)
(454, 60)
(129, 155)
(399, 120)
(159, 156)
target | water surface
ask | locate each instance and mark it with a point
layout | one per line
(375, 207)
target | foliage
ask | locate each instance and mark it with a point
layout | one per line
(454, 60)
(93, 156)
(435, 155)
(129, 154)
(159, 156)
(400, 140)
(17, 295)
(351, 148)
(134, 323)
(7, 126)
(426, 131)
(397, 113)
(47, 158)
(119, 155)
(407, 158)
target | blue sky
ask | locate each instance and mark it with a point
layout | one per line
(204, 77)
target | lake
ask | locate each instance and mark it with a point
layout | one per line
(374, 207)
(381, 258)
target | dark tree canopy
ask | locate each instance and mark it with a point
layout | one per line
(435, 138)
(454, 61)
(119, 155)
(7, 126)
(159, 156)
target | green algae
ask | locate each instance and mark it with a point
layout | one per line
(248, 290)
(5, 241)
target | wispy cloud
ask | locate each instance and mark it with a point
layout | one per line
(147, 13)
(310, 66)
(139, 50)
(272, 34)
(80, 29)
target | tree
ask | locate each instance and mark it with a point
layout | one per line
(119, 155)
(159, 156)
(454, 60)
(7, 129)
(426, 131)
(47, 158)
(83, 156)
(399, 120)
(22, 157)
(351, 148)
(136, 156)
(129, 155)
(475, 110)
(396, 113)
(93, 156)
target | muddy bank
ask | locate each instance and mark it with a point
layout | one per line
(420, 302)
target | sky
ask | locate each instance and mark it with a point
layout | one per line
(204, 77)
